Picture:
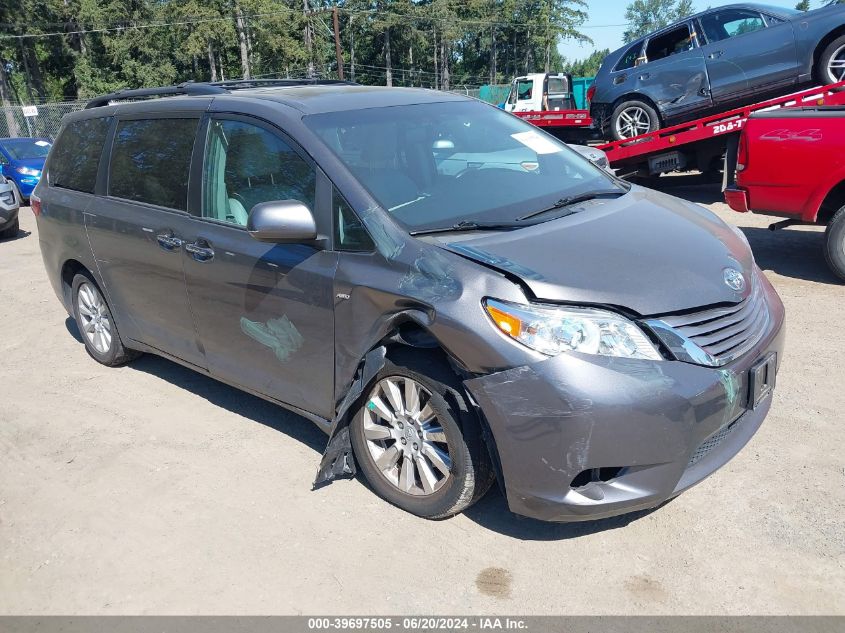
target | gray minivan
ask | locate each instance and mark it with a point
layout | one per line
(594, 346)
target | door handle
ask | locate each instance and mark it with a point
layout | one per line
(168, 241)
(645, 76)
(200, 250)
(715, 54)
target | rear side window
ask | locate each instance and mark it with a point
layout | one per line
(629, 59)
(151, 159)
(76, 155)
(670, 43)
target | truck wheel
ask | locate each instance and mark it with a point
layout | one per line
(831, 66)
(834, 248)
(632, 118)
(96, 324)
(418, 447)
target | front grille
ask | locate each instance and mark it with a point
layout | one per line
(722, 333)
(713, 441)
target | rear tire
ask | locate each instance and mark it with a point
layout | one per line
(831, 66)
(11, 231)
(403, 459)
(96, 324)
(633, 118)
(834, 247)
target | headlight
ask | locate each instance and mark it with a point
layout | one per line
(28, 171)
(553, 331)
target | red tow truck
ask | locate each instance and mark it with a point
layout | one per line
(791, 162)
(700, 144)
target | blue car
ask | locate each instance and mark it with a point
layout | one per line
(21, 162)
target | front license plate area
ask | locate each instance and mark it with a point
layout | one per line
(761, 380)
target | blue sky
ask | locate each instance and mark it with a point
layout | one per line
(612, 12)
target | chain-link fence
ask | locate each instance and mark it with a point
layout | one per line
(42, 120)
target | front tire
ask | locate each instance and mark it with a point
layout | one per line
(96, 324)
(11, 231)
(633, 118)
(834, 247)
(418, 444)
(831, 66)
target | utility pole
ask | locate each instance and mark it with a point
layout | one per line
(337, 44)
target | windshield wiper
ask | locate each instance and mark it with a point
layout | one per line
(469, 225)
(565, 202)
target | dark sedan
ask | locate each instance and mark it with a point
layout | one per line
(713, 61)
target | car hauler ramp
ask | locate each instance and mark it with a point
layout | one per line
(701, 144)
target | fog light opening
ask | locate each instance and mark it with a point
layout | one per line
(596, 475)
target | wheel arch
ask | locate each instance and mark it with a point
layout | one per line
(411, 343)
(69, 270)
(824, 43)
(833, 201)
(637, 96)
(446, 369)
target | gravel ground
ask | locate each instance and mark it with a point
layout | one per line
(150, 489)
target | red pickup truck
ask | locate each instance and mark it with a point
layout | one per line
(791, 162)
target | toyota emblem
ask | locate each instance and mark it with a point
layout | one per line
(734, 279)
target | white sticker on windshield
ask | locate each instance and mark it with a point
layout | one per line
(537, 142)
(42, 143)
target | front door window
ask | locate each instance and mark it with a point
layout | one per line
(246, 165)
(721, 25)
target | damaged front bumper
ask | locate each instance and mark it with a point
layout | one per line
(583, 437)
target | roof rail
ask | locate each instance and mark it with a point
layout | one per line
(207, 88)
(187, 88)
(240, 84)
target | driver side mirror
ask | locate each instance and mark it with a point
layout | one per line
(281, 221)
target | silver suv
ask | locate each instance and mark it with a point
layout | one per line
(716, 60)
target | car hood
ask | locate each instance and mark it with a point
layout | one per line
(645, 251)
(32, 163)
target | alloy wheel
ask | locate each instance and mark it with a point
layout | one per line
(404, 438)
(632, 122)
(836, 65)
(96, 325)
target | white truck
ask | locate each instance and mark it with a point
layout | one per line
(541, 92)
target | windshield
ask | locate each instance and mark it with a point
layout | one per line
(434, 165)
(26, 148)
